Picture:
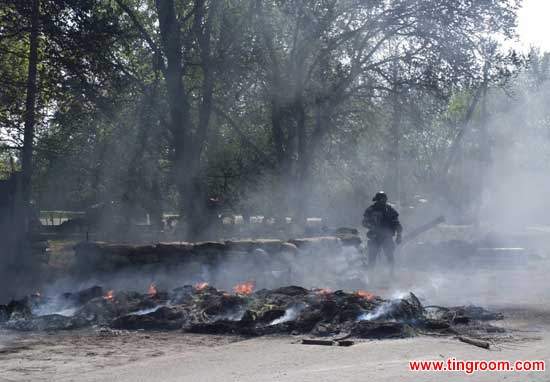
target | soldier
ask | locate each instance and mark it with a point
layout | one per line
(382, 221)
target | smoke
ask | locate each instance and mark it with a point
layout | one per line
(504, 204)
(146, 311)
(380, 311)
(433, 277)
(56, 305)
(290, 315)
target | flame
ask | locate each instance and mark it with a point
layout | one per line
(244, 289)
(323, 292)
(201, 286)
(366, 295)
(152, 291)
(109, 295)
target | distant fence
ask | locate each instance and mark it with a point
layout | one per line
(55, 218)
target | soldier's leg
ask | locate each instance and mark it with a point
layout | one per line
(389, 249)
(373, 249)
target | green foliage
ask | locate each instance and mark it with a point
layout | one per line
(306, 98)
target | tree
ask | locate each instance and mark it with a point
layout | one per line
(46, 46)
(191, 48)
(317, 55)
(161, 104)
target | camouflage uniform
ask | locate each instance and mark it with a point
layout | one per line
(382, 221)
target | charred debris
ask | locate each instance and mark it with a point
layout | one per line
(202, 308)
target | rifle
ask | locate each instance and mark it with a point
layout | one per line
(423, 228)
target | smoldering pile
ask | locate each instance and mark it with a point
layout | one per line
(204, 309)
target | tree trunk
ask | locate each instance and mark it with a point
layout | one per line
(185, 161)
(484, 156)
(22, 210)
(303, 189)
(284, 164)
(143, 194)
(463, 128)
(207, 87)
(392, 178)
(30, 106)
(277, 121)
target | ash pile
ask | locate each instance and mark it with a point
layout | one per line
(204, 309)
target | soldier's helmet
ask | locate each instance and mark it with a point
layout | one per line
(380, 197)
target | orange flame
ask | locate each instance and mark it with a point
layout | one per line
(244, 289)
(366, 295)
(201, 286)
(109, 295)
(152, 291)
(323, 292)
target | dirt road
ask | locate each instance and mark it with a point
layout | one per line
(281, 360)
(136, 357)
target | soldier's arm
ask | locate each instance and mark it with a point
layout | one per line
(395, 222)
(365, 222)
(398, 227)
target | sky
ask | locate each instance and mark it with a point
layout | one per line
(534, 24)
